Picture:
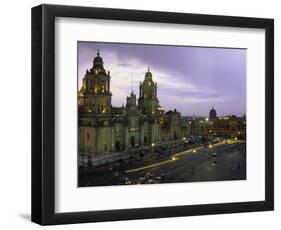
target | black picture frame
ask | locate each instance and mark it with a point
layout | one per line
(43, 114)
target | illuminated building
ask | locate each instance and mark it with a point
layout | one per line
(104, 128)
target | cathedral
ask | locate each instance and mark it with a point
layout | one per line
(104, 128)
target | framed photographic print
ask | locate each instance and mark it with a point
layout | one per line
(142, 114)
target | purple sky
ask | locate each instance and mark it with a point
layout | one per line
(190, 79)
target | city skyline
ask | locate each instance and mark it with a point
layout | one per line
(190, 79)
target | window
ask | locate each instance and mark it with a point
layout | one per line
(102, 87)
(103, 108)
(95, 88)
(145, 95)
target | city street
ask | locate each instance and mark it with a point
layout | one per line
(214, 162)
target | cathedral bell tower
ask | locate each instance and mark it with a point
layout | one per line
(148, 102)
(95, 95)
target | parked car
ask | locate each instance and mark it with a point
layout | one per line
(214, 154)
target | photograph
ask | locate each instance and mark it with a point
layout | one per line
(174, 108)
(153, 114)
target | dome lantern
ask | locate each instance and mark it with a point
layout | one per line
(98, 61)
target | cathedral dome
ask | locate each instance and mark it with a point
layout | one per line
(97, 64)
(213, 114)
(148, 75)
(98, 59)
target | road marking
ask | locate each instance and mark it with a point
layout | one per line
(188, 151)
(171, 160)
(151, 166)
(163, 162)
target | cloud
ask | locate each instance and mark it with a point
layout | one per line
(124, 65)
(192, 100)
(188, 78)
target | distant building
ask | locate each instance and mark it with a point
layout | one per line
(104, 128)
(213, 114)
(230, 126)
(226, 126)
(171, 127)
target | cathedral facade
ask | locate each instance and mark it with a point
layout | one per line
(104, 128)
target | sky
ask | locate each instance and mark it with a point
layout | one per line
(190, 79)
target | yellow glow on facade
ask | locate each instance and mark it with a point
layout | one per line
(210, 146)
(80, 102)
(153, 144)
(95, 88)
(145, 96)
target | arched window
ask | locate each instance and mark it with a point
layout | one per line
(175, 135)
(133, 142)
(145, 140)
(103, 108)
(117, 145)
(102, 87)
(84, 84)
(95, 88)
(145, 95)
